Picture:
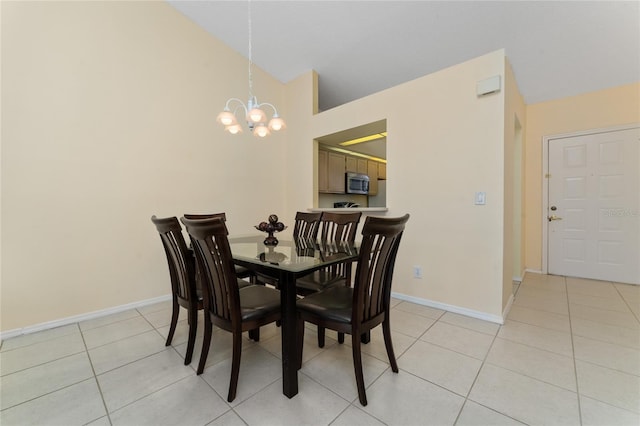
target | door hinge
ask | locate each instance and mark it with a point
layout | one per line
(547, 176)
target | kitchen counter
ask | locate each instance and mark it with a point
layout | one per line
(351, 209)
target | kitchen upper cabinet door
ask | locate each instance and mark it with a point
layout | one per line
(336, 168)
(352, 164)
(363, 166)
(372, 171)
(323, 172)
(382, 171)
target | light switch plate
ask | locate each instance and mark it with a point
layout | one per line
(481, 198)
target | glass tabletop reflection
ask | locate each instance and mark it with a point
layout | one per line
(296, 255)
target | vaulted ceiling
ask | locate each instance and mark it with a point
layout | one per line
(556, 48)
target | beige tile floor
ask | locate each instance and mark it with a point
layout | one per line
(568, 354)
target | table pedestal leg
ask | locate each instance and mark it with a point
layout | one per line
(288, 329)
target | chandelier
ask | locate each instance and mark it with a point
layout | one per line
(253, 111)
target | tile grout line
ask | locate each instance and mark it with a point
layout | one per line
(573, 350)
(475, 379)
(95, 377)
(626, 302)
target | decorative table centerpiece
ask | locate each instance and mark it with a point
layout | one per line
(270, 228)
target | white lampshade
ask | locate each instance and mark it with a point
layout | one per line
(261, 130)
(276, 123)
(234, 129)
(256, 115)
(226, 118)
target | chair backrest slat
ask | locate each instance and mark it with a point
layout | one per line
(181, 265)
(376, 261)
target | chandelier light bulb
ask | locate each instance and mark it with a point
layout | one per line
(261, 130)
(256, 115)
(226, 118)
(276, 123)
(234, 129)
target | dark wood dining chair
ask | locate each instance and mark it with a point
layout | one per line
(226, 305)
(358, 309)
(184, 289)
(241, 271)
(306, 226)
(334, 228)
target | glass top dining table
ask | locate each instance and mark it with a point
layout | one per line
(286, 262)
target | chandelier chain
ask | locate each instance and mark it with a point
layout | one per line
(250, 53)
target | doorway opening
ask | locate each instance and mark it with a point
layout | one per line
(360, 150)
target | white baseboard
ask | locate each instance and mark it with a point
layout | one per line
(516, 279)
(508, 307)
(82, 317)
(97, 314)
(451, 308)
(534, 271)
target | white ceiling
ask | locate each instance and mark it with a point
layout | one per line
(556, 48)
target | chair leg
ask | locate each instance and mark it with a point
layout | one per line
(357, 365)
(254, 334)
(386, 331)
(299, 342)
(340, 337)
(320, 337)
(206, 341)
(174, 320)
(235, 366)
(193, 326)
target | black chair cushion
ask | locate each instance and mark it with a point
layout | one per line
(243, 272)
(334, 303)
(257, 301)
(319, 280)
(243, 283)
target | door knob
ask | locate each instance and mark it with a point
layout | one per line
(553, 217)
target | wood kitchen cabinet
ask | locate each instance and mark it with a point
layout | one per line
(382, 171)
(331, 170)
(332, 167)
(323, 176)
(372, 171)
(362, 166)
(336, 171)
(356, 165)
(351, 164)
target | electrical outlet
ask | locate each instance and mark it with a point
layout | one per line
(417, 272)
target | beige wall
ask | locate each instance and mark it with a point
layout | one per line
(438, 130)
(108, 117)
(596, 110)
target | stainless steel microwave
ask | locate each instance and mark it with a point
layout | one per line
(356, 183)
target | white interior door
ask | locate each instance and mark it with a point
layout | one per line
(594, 206)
